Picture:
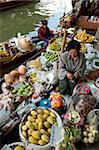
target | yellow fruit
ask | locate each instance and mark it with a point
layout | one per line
(36, 134)
(46, 111)
(28, 124)
(45, 116)
(33, 113)
(37, 121)
(49, 130)
(51, 120)
(47, 124)
(30, 131)
(33, 140)
(53, 114)
(41, 142)
(24, 134)
(43, 132)
(35, 125)
(24, 127)
(18, 148)
(40, 125)
(91, 140)
(40, 111)
(40, 116)
(85, 140)
(30, 118)
(45, 138)
(90, 135)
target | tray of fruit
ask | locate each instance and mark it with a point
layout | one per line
(22, 89)
(90, 134)
(51, 57)
(35, 126)
(84, 37)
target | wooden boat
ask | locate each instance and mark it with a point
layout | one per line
(14, 62)
(12, 3)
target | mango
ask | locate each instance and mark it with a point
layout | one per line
(40, 111)
(24, 127)
(28, 124)
(47, 124)
(33, 140)
(43, 132)
(35, 125)
(36, 134)
(45, 138)
(46, 111)
(41, 142)
(40, 125)
(30, 131)
(51, 120)
(19, 148)
(49, 130)
(52, 114)
(45, 116)
(30, 118)
(33, 113)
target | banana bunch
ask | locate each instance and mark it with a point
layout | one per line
(4, 54)
(33, 77)
(84, 37)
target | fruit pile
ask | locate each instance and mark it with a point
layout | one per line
(56, 45)
(24, 90)
(90, 134)
(33, 77)
(3, 53)
(84, 37)
(34, 63)
(37, 126)
(51, 57)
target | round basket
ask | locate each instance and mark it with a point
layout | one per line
(36, 147)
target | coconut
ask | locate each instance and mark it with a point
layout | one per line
(9, 78)
(14, 73)
(22, 69)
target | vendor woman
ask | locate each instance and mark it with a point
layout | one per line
(71, 67)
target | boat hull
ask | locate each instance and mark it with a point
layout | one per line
(11, 4)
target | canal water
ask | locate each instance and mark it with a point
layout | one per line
(27, 18)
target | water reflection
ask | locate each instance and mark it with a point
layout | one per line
(25, 18)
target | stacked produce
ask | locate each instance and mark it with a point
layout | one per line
(84, 37)
(56, 45)
(51, 57)
(36, 126)
(90, 134)
(24, 89)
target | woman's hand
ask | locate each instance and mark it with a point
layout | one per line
(69, 76)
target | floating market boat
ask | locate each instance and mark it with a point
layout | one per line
(12, 3)
(10, 54)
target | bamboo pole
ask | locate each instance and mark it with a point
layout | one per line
(64, 41)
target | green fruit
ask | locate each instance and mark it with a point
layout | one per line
(47, 124)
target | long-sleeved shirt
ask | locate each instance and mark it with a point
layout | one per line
(67, 64)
